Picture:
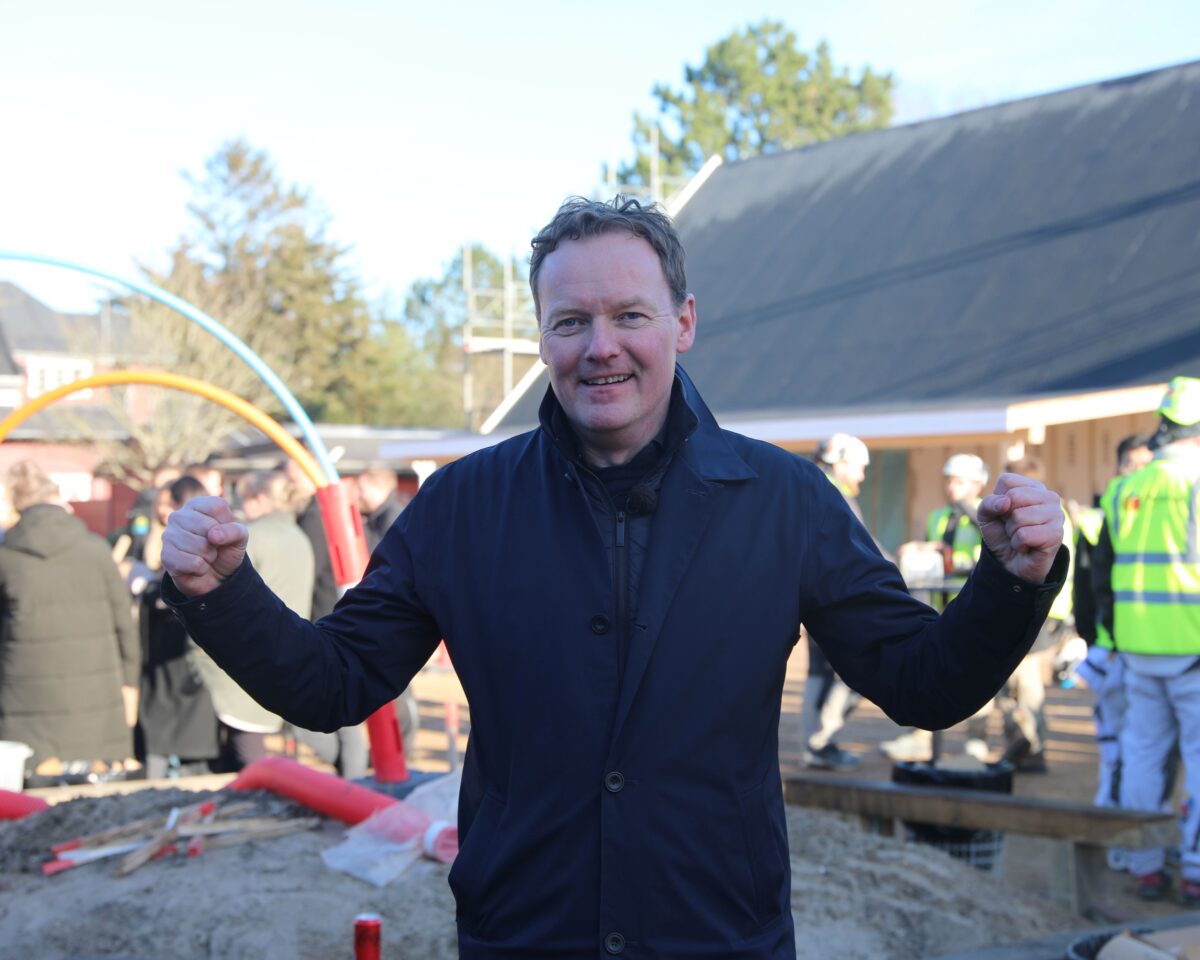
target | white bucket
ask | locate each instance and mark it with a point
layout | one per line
(12, 764)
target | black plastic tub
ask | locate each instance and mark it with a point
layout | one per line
(1087, 948)
(982, 849)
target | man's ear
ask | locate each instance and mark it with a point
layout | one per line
(687, 325)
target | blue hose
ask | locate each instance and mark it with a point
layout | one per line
(252, 359)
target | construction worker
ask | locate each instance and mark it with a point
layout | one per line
(1023, 699)
(1103, 670)
(828, 702)
(953, 528)
(1149, 602)
(954, 525)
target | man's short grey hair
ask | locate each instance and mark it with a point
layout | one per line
(579, 218)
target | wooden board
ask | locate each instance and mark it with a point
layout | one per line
(977, 810)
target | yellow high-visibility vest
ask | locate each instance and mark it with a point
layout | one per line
(1064, 603)
(968, 541)
(1156, 559)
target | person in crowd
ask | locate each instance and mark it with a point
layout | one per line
(1022, 702)
(212, 477)
(308, 516)
(177, 724)
(346, 749)
(955, 526)
(284, 558)
(140, 540)
(1146, 572)
(953, 529)
(828, 701)
(620, 591)
(1103, 669)
(380, 502)
(68, 651)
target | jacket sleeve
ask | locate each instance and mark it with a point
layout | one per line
(920, 668)
(321, 676)
(128, 642)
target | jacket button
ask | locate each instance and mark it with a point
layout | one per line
(614, 943)
(599, 623)
(614, 782)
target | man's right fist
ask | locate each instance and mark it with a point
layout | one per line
(202, 545)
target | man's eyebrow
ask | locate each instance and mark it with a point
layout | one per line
(627, 304)
(568, 309)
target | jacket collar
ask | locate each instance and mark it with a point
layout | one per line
(705, 448)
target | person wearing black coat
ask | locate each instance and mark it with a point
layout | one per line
(619, 591)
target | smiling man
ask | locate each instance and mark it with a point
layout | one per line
(619, 591)
(611, 327)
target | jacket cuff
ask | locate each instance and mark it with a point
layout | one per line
(991, 576)
(216, 605)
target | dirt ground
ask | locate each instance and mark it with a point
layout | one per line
(873, 896)
(855, 895)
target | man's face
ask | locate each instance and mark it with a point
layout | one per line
(254, 506)
(301, 482)
(213, 482)
(851, 475)
(962, 490)
(370, 496)
(609, 334)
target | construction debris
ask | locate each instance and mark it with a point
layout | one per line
(208, 824)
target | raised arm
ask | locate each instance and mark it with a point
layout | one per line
(923, 669)
(319, 676)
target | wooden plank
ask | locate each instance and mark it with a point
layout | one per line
(145, 853)
(978, 810)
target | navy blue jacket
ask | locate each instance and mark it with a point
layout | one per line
(642, 816)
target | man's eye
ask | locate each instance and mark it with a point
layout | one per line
(567, 323)
(632, 316)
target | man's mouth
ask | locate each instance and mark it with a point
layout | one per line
(605, 381)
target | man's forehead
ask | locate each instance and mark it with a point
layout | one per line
(617, 265)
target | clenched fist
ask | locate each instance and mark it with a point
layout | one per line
(202, 545)
(1022, 524)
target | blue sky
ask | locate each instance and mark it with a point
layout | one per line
(421, 129)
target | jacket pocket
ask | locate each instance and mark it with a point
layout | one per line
(768, 865)
(470, 875)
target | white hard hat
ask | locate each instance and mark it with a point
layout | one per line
(842, 446)
(966, 465)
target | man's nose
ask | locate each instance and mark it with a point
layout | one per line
(603, 344)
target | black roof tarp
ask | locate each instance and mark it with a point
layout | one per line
(1045, 246)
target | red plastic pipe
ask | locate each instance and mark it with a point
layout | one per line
(325, 793)
(14, 806)
(348, 555)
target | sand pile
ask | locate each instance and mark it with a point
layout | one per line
(860, 895)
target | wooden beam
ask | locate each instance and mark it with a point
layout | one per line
(979, 810)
